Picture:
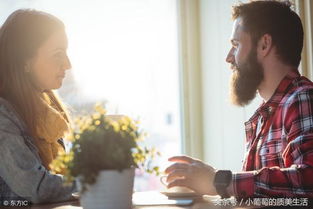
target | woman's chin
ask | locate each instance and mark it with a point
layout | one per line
(56, 86)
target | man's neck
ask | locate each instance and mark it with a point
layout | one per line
(273, 75)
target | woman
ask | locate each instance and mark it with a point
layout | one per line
(33, 62)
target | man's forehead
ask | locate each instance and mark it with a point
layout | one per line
(237, 28)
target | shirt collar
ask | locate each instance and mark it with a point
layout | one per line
(283, 88)
(266, 108)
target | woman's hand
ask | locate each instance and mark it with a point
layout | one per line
(191, 173)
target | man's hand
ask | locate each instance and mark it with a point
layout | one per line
(191, 173)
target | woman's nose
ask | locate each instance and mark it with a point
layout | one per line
(67, 63)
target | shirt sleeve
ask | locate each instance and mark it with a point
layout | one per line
(295, 179)
(23, 172)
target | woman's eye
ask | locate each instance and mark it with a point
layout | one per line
(59, 55)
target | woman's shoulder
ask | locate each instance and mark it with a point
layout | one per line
(9, 120)
(6, 108)
(5, 104)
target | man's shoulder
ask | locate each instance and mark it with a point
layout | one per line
(301, 90)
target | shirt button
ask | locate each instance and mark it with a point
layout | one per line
(269, 109)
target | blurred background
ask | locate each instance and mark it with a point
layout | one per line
(161, 62)
(125, 54)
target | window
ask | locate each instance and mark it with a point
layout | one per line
(125, 53)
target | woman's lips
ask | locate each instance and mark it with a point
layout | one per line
(61, 76)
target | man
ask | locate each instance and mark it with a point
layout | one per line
(267, 41)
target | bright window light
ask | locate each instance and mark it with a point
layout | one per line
(124, 52)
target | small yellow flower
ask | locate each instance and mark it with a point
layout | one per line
(115, 126)
(99, 108)
(88, 121)
(96, 116)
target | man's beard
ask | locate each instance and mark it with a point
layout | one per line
(245, 80)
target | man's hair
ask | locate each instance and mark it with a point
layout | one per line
(279, 21)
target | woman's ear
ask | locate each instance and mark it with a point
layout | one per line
(265, 45)
(27, 66)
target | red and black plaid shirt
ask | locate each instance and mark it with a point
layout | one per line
(279, 144)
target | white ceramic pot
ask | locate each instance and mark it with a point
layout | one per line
(112, 190)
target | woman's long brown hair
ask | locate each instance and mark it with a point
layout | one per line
(21, 35)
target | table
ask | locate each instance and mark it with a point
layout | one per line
(75, 205)
(200, 203)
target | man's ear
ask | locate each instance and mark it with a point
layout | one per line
(265, 45)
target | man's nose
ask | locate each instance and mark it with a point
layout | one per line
(230, 57)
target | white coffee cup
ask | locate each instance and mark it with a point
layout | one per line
(163, 180)
(176, 189)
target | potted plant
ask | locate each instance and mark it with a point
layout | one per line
(104, 155)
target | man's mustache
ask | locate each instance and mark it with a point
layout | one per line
(234, 67)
